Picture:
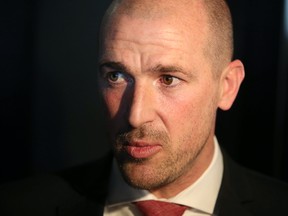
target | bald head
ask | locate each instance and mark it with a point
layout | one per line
(220, 43)
(213, 15)
(148, 9)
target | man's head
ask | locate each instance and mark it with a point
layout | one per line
(165, 69)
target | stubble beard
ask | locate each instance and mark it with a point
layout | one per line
(153, 173)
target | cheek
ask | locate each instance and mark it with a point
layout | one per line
(114, 119)
(188, 117)
(176, 114)
(112, 101)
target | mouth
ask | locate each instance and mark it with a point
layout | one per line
(142, 150)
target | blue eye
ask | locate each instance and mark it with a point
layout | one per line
(115, 77)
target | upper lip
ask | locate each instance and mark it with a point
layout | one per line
(140, 143)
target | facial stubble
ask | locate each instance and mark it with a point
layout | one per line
(158, 170)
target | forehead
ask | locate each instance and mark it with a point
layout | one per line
(143, 32)
(170, 32)
(142, 44)
(182, 17)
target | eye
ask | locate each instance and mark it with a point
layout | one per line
(169, 80)
(115, 77)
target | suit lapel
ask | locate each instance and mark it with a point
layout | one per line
(82, 208)
(234, 196)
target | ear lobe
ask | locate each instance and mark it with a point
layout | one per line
(231, 80)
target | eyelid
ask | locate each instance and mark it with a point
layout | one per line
(123, 78)
(118, 73)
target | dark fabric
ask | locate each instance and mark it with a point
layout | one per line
(81, 191)
(246, 192)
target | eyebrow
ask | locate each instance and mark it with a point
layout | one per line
(114, 65)
(160, 68)
(166, 69)
(170, 69)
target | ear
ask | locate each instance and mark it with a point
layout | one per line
(230, 82)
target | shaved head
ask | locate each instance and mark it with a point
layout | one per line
(220, 43)
(215, 14)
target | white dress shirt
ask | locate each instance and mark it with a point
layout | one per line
(200, 196)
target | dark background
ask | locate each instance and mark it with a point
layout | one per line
(49, 109)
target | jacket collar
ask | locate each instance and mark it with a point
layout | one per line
(234, 195)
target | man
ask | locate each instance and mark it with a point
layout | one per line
(164, 70)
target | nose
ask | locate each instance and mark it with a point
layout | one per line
(142, 106)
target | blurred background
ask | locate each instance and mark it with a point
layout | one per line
(50, 116)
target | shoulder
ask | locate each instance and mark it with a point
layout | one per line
(254, 181)
(42, 194)
(259, 193)
(36, 195)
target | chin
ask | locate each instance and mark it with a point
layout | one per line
(142, 176)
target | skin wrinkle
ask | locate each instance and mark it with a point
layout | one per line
(157, 42)
(219, 46)
(179, 118)
(159, 68)
(164, 41)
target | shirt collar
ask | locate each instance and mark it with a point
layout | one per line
(201, 195)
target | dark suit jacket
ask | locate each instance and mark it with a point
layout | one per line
(81, 191)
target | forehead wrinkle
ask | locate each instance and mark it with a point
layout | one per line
(114, 49)
(109, 47)
(168, 34)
